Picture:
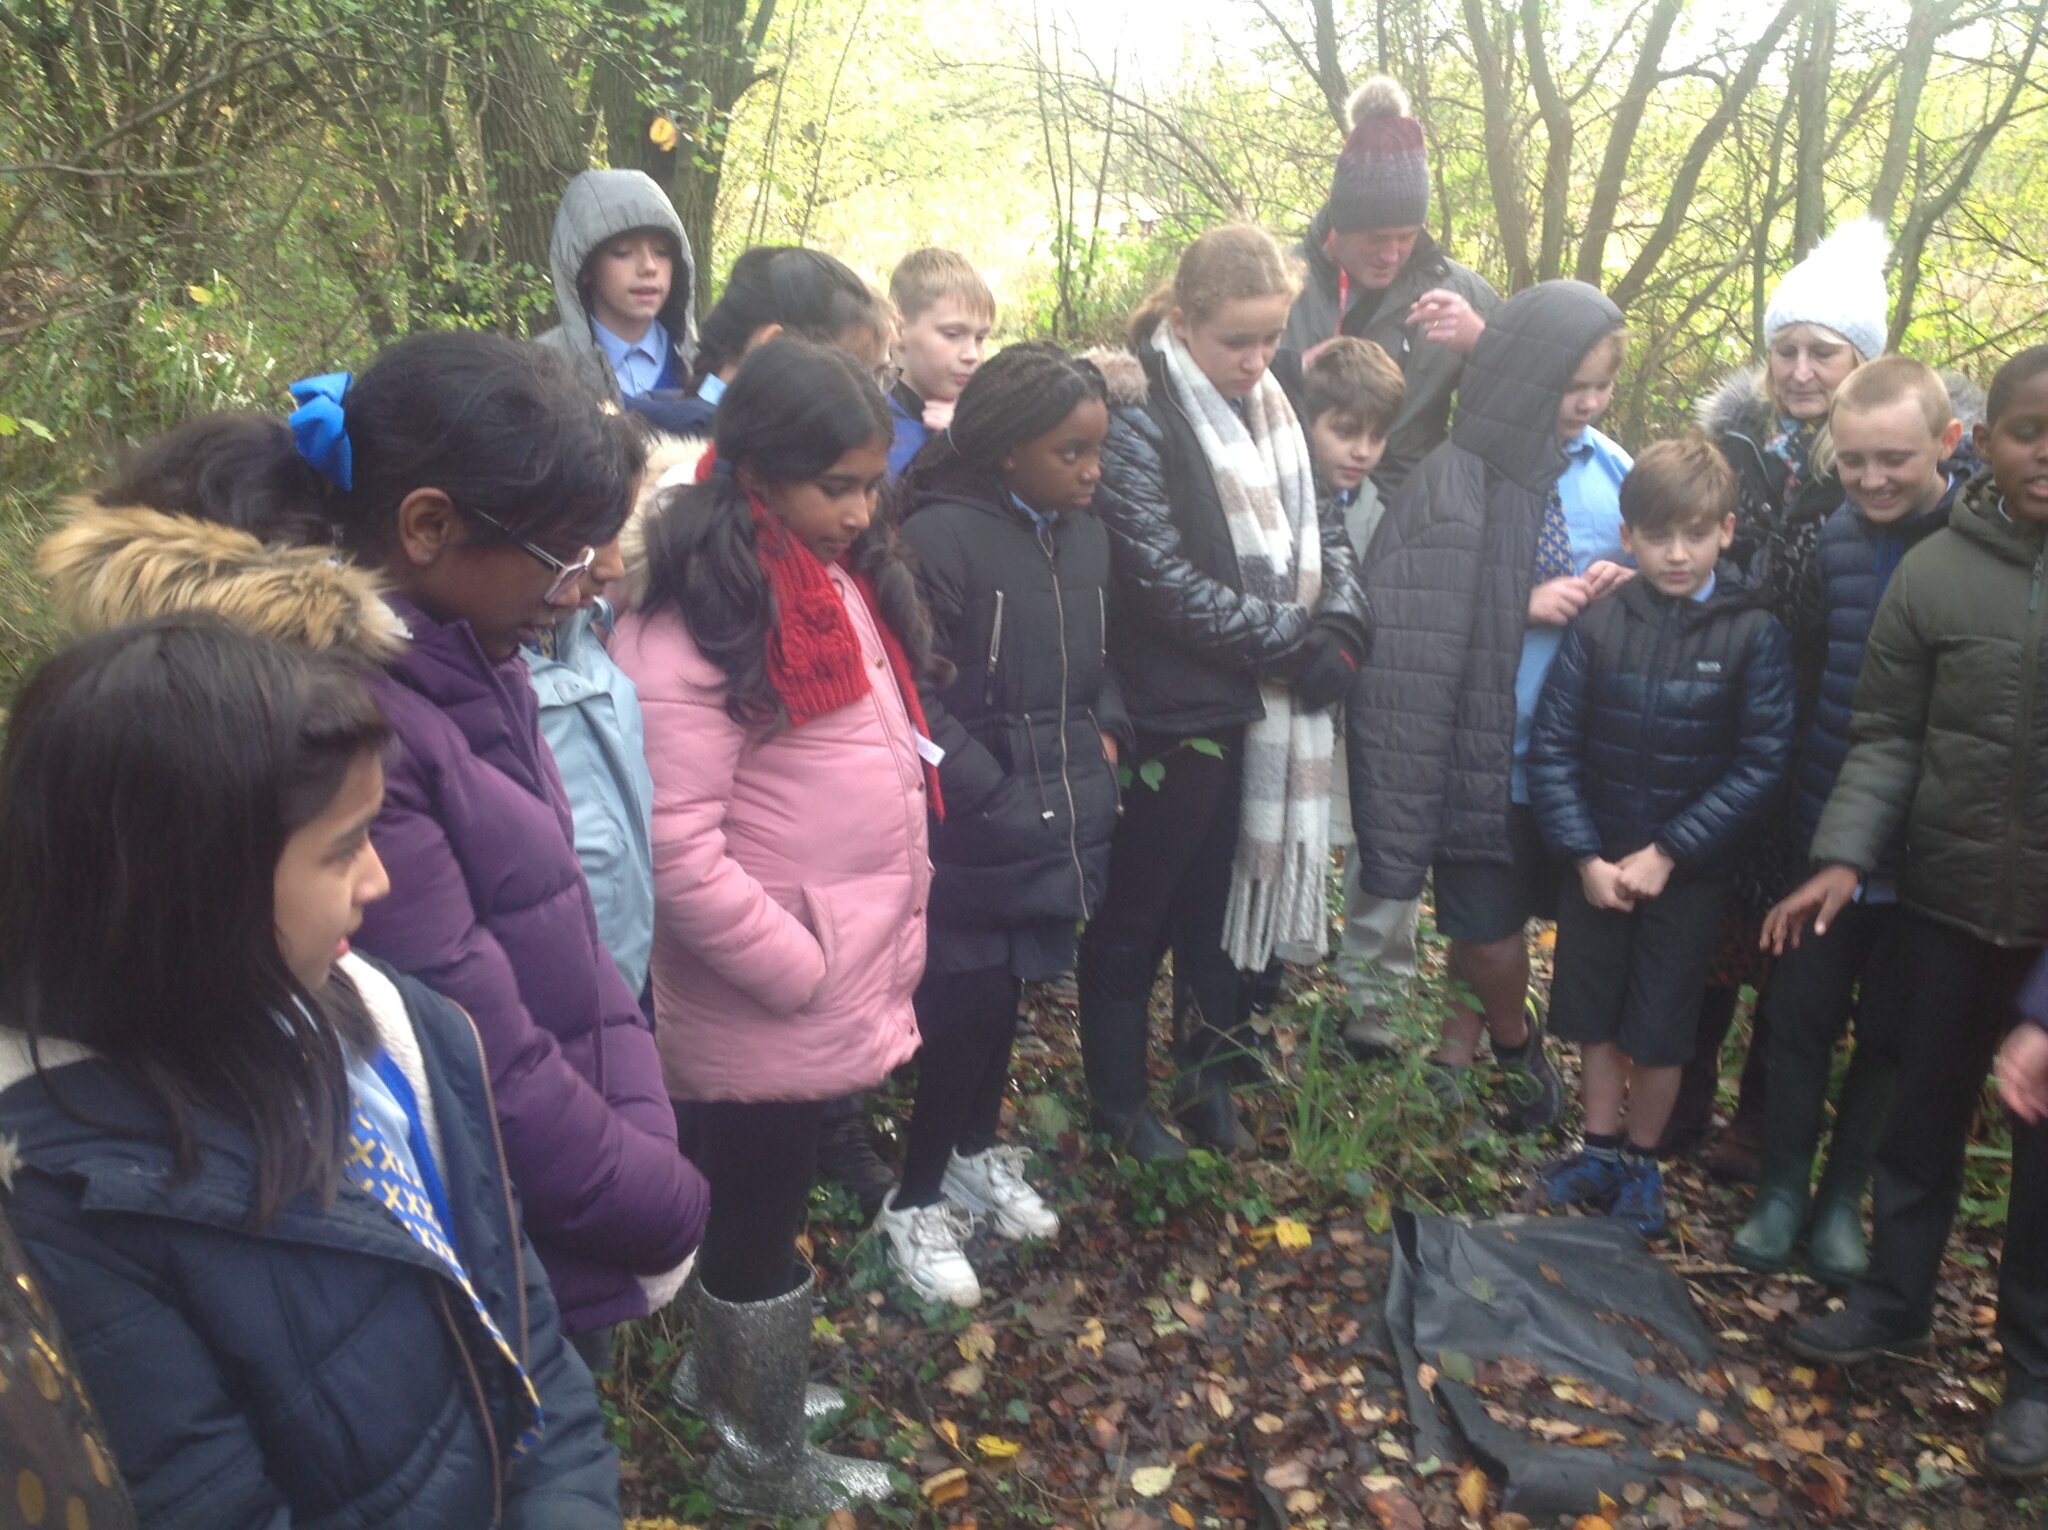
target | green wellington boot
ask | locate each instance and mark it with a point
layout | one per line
(1765, 1242)
(1795, 1113)
(1836, 1250)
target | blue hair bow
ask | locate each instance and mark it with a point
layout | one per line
(320, 429)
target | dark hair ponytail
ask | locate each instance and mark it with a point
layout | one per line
(809, 293)
(1016, 396)
(504, 427)
(794, 409)
(151, 777)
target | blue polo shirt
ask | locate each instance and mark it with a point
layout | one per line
(1590, 491)
(636, 364)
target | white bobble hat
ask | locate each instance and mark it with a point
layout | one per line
(1839, 286)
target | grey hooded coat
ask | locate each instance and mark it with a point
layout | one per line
(598, 206)
(1430, 726)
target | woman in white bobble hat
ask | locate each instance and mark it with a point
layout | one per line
(1828, 316)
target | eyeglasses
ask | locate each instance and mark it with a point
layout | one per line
(566, 574)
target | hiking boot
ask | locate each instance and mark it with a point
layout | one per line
(1846, 1337)
(1456, 1090)
(1589, 1177)
(1369, 1036)
(991, 1184)
(847, 1156)
(1640, 1202)
(2016, 1444)
(924, 1248)
(1530, 1080)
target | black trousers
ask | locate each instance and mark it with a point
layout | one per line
(969, 1022)
(1169, 884)
(759, 1158)
(1858, 968)
(1961, 999)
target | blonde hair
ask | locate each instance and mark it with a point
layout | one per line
(1820, 457)
(1225, 265)
(1893, 379)
(924, 276)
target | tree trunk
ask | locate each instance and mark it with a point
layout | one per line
(1816, 60)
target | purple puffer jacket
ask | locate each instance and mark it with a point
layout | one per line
(489, 907)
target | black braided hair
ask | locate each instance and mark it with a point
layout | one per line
(1016, 396)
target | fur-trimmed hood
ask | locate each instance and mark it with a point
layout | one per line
(1738, 405)
(671, 463)
(1123, 373)
(110, 565)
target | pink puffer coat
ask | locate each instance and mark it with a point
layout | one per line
(790, 878)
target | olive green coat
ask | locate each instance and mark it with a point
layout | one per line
(1950, 733)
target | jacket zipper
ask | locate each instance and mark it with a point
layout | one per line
(2022, 740)
(483, 1409)
(1059, 606)
(1652, 693)
(995, 652)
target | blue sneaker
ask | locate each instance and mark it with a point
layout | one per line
(1641, 1202)
(1589, 1177)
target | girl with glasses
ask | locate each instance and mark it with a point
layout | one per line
(468, 473)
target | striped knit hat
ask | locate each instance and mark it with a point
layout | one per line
(1382, 178)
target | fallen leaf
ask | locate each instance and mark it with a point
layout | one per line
(1151, 1481)
(1289, 1233)
(1219, 1402)
(1592, 1522)
(1473, 1487)
(949, 1432)
(994, 1447)
(1808, 1442)
(949, 1486)
(1425, 1377)
(1549, 1273)
(966, 1381)
(1198, 1291)
(1760, 1399)
(1708, 1423)
(1180, 1516)
(1288, 1475)
(1091, 1337)
(978, 1343)
(1304, 1501)
(1268, 1423)
(842, 1519)
(1395, 1510)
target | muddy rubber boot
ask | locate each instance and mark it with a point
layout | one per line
(1836, 1250)
(1115, 1034)
(753, 1371)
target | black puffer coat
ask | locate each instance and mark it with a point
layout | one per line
(1430, 727)
(1430, 370)
(1666, 722)
(1188, 644)
(1030, 797)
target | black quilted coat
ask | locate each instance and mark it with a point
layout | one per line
(1665, 722)
(1430, 727)
(1030, 797)
(1188, 644)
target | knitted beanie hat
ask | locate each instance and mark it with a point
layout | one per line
(1839, 286)
(1382, 178)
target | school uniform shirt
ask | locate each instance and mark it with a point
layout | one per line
(1590, 491)
(636, 363)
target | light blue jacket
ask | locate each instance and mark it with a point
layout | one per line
(590, 717)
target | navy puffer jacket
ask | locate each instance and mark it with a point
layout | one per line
(1856, 559)
(324, 1371)
(1665, 722)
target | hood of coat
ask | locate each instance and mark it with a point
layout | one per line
(601, 205)
(1123, 374)
(671, 464)
(110, 565)
(1979, 515)
(1518, 373)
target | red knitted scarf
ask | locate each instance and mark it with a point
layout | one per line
(814, 660)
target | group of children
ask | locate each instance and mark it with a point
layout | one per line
(580, 769)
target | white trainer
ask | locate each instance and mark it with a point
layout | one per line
(991, 1184)
(924, 1247)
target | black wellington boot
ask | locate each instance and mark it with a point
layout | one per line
(1115, 1034)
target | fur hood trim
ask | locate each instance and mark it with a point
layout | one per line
(114, 565)
(1736, 405)
(671, 464)
(1124, 375)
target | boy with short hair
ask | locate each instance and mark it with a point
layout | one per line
(1351, 394)
(1894, 432)
(1949, 745)
(1661, 743)
(624, 282)
(947, 312)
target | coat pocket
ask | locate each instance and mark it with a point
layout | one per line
(818, 915)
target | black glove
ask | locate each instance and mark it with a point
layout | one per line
(1327, 668)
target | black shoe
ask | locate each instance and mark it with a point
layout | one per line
(1530, 1080)
(847, 1158)
(1845, 1337)
(1207, 1115)
(1140, 1135)
(2016, 1445)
